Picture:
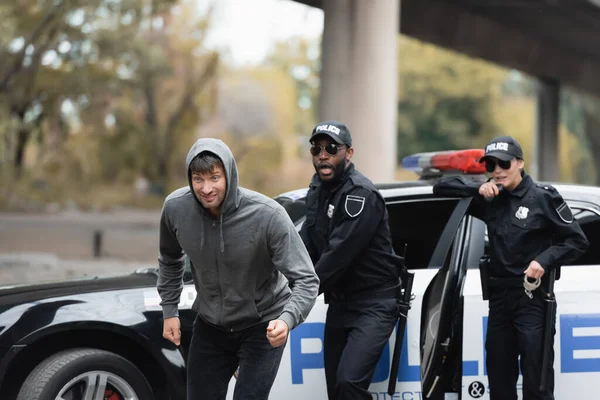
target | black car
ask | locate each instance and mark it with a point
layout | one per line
(102, 338)
(65, 340)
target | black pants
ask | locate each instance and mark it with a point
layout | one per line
(214, 356)
(355, 335)
(516, 328)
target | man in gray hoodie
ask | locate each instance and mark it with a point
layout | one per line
(254, 278)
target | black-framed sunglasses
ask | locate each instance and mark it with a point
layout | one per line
(330, 148)
(490, 165)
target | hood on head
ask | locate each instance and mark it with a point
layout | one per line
(221, 150)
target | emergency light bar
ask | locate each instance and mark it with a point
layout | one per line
(438, 162)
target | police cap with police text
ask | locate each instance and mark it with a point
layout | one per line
(335, 130)
(503, 148)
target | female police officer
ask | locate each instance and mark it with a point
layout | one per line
(531, 231)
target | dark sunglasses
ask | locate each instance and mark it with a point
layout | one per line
(331, 148)
(490, 165)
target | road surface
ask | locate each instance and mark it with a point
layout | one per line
(42, 247)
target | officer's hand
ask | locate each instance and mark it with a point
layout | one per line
(172, 330)
(534, 270)
(277, 332)
(489, 190)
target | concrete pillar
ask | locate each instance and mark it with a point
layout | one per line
(546, 156)
(359, 79)
(375, 87)
(336, 67)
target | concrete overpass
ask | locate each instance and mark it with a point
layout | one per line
(557, 41)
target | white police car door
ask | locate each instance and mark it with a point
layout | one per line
(442, 310)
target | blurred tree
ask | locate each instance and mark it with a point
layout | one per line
(574, 159)
(518, 84)
(445, 99)
(168, 69)
(256, 113)
(450, 101)
(122, 76)
(34, 65)
(581, 114)
(592, 129)
(60, 52)
(299, 58)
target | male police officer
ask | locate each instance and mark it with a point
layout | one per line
(531, 232)
(348, 238)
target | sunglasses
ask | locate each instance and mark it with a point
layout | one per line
(490, 165)
(330, 148)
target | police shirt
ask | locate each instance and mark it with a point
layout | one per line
(347, 235)
(532, 222)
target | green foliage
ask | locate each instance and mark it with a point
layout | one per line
(445, 99)
(255, 118)
(298, 58)
(575, 160)
(107, 87)
(581, 115)
(450, 101)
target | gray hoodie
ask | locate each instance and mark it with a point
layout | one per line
(249, 265)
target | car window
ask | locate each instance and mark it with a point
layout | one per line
(418, 225)
(590, 224)
(296, 208)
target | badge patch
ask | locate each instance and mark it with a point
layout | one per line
(354, 205)
(330, 210)
(522, 212)
(564, 212)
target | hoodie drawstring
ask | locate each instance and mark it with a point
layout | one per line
(221, 230)
(202, 232)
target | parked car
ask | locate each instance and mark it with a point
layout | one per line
(102, 338)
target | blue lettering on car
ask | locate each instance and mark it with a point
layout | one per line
(571, 341)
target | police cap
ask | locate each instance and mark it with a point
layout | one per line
(335, 130)
(503, 148)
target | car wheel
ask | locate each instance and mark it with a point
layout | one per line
(85, 374)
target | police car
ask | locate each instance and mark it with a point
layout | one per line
(443, 353)
(102, 338)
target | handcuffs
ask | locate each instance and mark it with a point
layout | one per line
(530, 286)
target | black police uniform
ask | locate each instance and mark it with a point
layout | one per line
(532, 222)
(347, 235)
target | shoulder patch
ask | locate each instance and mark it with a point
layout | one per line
(564, 212)
(354, 205)
(546, 187)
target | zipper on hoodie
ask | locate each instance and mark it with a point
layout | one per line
(220, 291)
(218, 267)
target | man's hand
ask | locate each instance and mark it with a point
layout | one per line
(172, 330)
(535, 270)
(277, 332)
(489, 190)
